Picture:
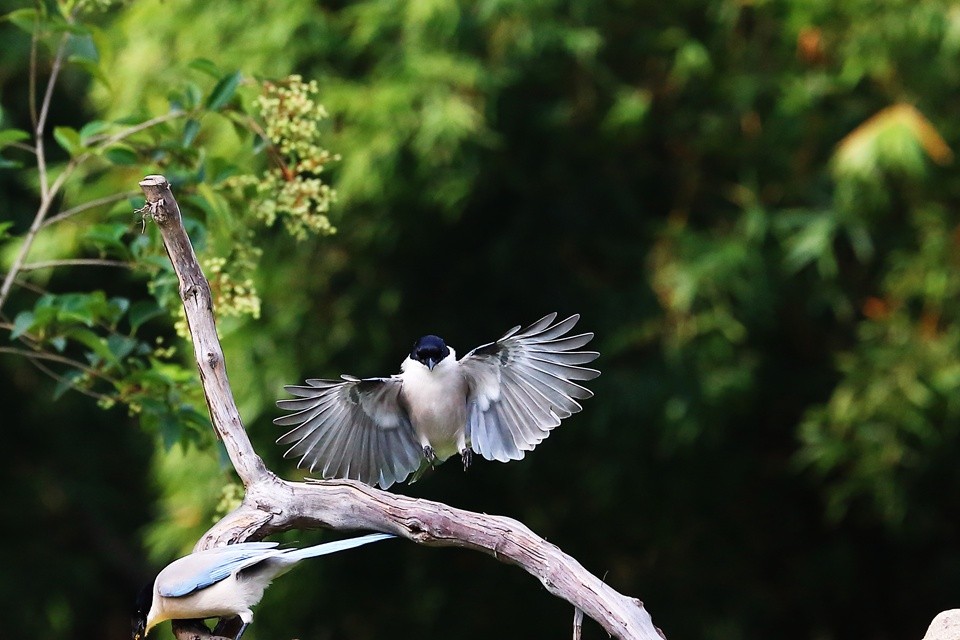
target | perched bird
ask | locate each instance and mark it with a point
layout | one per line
(500, 400)
(224, 581)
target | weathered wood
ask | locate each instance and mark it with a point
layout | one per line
(272, 504)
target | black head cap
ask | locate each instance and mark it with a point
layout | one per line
(429, 350)
(144, 602)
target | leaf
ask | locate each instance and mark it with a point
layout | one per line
(628, 111)
(25, 19)
(190, 131)
(141, 312)
(93, 128)
(67, 381)
(117, 306)
(203, 65)
(59, 343)
(121, 346)
(224, 91)
(21, 324)
(108, 235)
(894, 139)
(92, 341)
(10, 136)
(93, 68)
(122, 155)
(69, 139)
(82, 47)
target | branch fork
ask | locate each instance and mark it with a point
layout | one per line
(272, 504)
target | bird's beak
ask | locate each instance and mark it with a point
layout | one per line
(431, 363)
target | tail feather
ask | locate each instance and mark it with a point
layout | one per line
(333, 547)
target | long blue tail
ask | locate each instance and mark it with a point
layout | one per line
(334, 547)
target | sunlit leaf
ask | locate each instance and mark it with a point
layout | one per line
(892, 139)
(25, 19)
(93, 128)
(204, 65)
(11, 136)
(69, 139)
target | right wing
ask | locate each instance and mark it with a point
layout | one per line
(201, 569)
(351, 428)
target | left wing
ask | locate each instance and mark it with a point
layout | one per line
(521, 386)
(351, 428)
(201, 569)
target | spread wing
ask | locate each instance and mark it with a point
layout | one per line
(204, 568)
(522, 386)
(351, 428)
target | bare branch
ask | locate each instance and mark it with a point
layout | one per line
(107, 140)
(56, 376)
(198, 304)
(53, 357)
(63, 215)
(45, 202)
(42, 118)
(47, 191)
(272, 505)
(75, 262)
(34, 41)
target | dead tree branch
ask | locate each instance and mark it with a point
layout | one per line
(272, 504)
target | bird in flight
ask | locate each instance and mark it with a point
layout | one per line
(224, 581)
(500, 400)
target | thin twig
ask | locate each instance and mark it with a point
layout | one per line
(52, 357)
(577, 623)
(76, 262)
(45, 203)
(23, 146)
(47, 191)
(44, 112)
(56, 376)
(105, 140)
(32, 78)
(72, 211)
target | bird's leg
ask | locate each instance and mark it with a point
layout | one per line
(228, 627)
(243, 628)
(246, 617)
(430, 454)
(467, 456)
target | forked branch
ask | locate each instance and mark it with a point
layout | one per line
(272, 504)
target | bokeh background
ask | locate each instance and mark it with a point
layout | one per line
(752, 203)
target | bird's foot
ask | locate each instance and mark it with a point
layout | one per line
(467, 456)
(430, 454)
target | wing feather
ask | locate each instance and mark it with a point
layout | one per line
(521, 386)
(204, 568)
(350, 428)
